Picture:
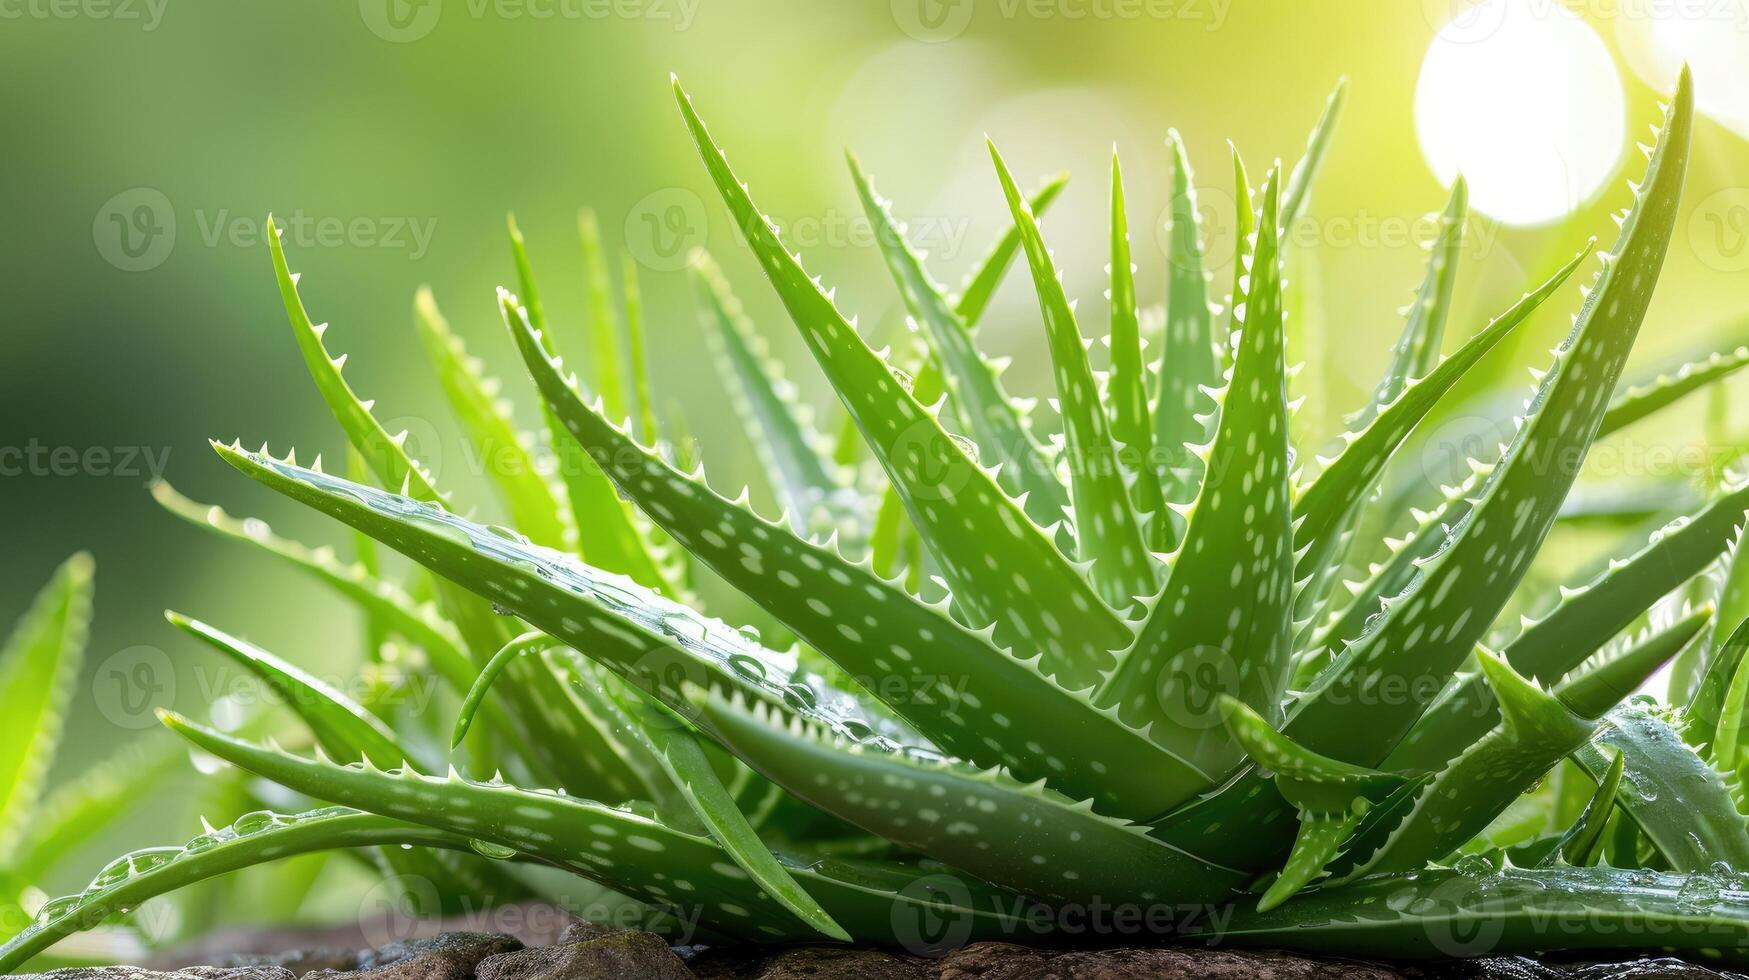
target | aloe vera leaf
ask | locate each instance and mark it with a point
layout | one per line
(653, 642)
(475, 698)
(256, 838)
(620, 848)
(873, 628)
(942, 807)
(1586, 618)
(1682, 804)
(77, 811)
(802, 472)
(1311, 782)
(1244, 506)
(1132, 430)
(1108, 532)
(535, 506)
(980, 286)
(1325, 509)
(386, 454)
(1320, 839)
(1244, 228)
(343, 728)
(608, 535)
(1424, 636)
(1637, 400)
(643, 411)
(1417, 349)
(39, 665)
(603, 364)
(1724, 749)
(1702, 712)
(636, 854)
(974, 528)
(525, 283)
(1189, 365)
(686, 763)
(384, 601)
(1593, 690)
(991, 416)
(1537, 730)
(1585, 846)
(1299, 183)
(1442, 914)
(594, 741)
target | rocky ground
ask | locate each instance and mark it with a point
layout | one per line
(582, 951)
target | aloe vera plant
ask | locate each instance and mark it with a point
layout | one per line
(1029, 667)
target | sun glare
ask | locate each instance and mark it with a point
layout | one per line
(1522, 98)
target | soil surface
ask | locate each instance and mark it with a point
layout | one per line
(552, 946)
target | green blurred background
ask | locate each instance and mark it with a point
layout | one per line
(147, 143)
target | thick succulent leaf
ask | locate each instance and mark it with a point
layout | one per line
(1189, 365)
(1417, 350)
(386, 454)
(1244, 231)
(39, 665)
(1426, 635)
(1583, 622)
(801, 470)
(1325, 509)
(1313, 783)
(76, 812)
(991, 417)
(620, 848)
(980, 287)
(1051, 847)
(1320, 839)
(1127, 389)
(1442, 914)
(651, 641)
(1595, 689)
(384, 601)
(1108, 532)
(1700, 717)
(1305, 172)
(1222, 622)
(1585, 844)
(872, 628)
(1725, 746)
(686, 763)
(602, 366)
(1673, 796)
(643, 409)
(256, 838)
(525, 283)
(1641, 397)
(1535, 733)
(535, 506)
(609, 535)
(1002, 567)
(343, 728)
